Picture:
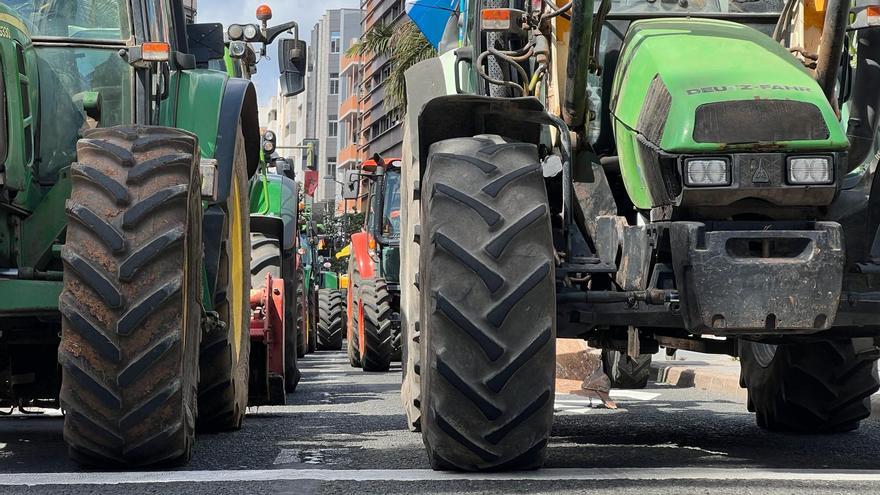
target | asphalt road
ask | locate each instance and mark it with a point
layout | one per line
(344, 432)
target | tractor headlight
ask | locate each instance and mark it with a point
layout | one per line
(705, 172)
(810, 170)
(235, 32)
(237, 49)
(251, 32)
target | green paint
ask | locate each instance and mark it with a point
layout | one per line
(45, 227)
(196, 106)
(28, 297)
(329, 280)
(705, 61)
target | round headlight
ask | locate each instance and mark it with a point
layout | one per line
(251, 32)
(235, 32)
(237, 49)
(269, 136)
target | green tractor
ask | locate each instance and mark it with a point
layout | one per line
(692, 175)
(307, 289)
(332, 288)
(125, 232)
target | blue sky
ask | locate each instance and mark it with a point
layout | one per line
(305, 12)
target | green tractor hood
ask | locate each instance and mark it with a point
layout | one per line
(704, 85)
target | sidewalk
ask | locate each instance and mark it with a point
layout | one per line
(716, 374)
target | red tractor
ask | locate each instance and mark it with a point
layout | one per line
(374, 269)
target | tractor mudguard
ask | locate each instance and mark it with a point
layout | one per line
(275, 198)
(360, 249)
(239, 103)
(210, 104)
(442, 114)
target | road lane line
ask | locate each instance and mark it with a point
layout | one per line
(598, 474)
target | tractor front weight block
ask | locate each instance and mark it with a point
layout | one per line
(735, 280)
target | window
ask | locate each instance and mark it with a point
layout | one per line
(331, 167)
(333, 127)
(335, 42)
(334, 84)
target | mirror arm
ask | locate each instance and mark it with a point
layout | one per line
(275, 32)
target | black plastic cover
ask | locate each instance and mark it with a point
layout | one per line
(753, 121)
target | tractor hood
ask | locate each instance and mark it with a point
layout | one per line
(705, 85)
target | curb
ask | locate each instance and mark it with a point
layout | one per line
(695, 376)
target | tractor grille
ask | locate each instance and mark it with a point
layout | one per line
(752, 121)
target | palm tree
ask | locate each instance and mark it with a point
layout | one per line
(404, 45)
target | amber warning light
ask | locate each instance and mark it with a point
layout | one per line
(264, 13)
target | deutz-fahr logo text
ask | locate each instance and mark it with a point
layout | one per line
(747, 87)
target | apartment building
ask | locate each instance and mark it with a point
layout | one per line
(331, 37)
(381, 128)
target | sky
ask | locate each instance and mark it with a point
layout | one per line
(304, 12)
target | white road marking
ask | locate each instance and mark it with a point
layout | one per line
(633, 394)
(599, 474)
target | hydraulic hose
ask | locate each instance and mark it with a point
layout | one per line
(865, 104)
(575, 104)
(831, 47)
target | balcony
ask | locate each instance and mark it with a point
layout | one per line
(348, 155)
(349, 63)
(350, 106)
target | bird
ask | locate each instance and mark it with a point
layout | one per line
(597, 386)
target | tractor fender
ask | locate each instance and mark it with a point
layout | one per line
(360, 255)
(443, 114)
(239, 104)
(278, 209)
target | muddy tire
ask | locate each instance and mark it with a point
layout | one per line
(378, 345)
(822, 387)
(410, 388)
(292, 373)
(625, 372)
(313, 321)
(225, 353)
(131, 303)
(331, 318)
(266, 258)
(352, 343)
(302, 334)
(487, 306)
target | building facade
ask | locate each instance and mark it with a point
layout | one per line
(190, 7)
(381, 128)
(331, 37)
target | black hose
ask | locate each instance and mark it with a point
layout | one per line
(575, 104)
(831, 47)
(865, 103)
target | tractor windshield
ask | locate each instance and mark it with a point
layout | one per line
(664, 7)
(93, 20)
(391, 209)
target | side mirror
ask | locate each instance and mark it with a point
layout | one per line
(206, 42)
(352, 185)
(292, 63)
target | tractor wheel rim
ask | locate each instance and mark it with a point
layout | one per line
(236, 269)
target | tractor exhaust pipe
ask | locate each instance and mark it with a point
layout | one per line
(831, 47)
(865, 103)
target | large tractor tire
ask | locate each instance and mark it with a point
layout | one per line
(266, 258)
(487, 306)
(313, 321)
(378, 345)
(821, 387)
(302, 306)
(353, 343)
(225, 352)
(624, 371)
(331, 318)
(131, 304)
(410, 388)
